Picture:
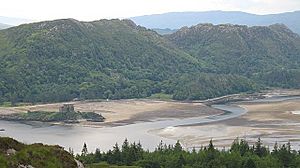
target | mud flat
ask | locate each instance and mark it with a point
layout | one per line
(127, 119)
(273, 121)
(193, 123)
(120, 112)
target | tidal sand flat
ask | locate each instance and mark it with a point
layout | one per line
(272, 121)
(125, 119)
(150, 121)
(122, 112)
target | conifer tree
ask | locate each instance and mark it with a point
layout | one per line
(84, 150)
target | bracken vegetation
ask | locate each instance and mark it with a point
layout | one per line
(16, 154)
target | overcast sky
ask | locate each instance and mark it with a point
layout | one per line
(98, 9)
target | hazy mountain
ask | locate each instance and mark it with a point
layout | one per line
(4, 26)
(13, 21)
(241, 49)
(165, 31)
(177, 20)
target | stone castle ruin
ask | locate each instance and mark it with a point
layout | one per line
(67, 108)
(70, 115)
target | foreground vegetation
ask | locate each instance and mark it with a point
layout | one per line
(240, 155)
(15, 154)
(132, 155)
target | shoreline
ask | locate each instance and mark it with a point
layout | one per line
(125, 112)
(131, 111)
(272, 121)
(222, 132)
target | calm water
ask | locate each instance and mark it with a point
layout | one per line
(105, 138)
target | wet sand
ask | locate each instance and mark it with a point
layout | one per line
(120, 116)
(273, 122)
(120, 112)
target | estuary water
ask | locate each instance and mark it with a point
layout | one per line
(105, 137)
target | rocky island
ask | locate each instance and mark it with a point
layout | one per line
(66, 114)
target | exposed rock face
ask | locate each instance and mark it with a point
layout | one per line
(25, 166)
(10, 152)
(79, 164)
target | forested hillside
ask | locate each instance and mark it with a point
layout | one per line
(65, 59)
(240, 49)
(248, 51)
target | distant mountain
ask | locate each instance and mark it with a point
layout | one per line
(4, 26)
(241, 49)
(177, 20)
(165, 31)
(13, 21)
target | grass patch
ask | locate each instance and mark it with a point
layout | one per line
(161, 96)
(9, 104)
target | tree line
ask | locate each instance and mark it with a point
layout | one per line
(240, 155)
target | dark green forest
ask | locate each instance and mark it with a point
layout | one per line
(240, 155)
(61, 60)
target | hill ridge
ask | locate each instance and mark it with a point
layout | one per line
(176, 20)
(65, 59)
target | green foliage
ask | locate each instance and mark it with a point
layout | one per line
(108, 59)
(240, 49)
(280, 78)
(161, 96)
(195, 86)
(132, 155)
(9, 143)
(270, 55)
(45, 116)
(106, 165)
(66, 59)
(36, 155)
(61, 60)
(240, 155)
